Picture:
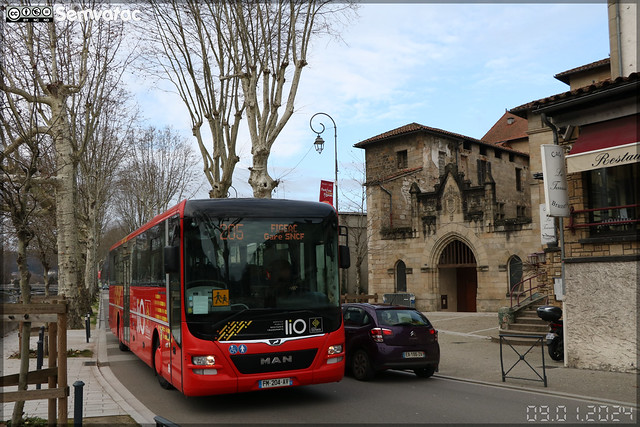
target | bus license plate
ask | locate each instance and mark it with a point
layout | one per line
(276, 382)
(413, 354)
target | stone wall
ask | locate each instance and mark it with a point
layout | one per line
(601, 314)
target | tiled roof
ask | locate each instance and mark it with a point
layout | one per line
(416, 127)
(565, 76)
(508, 128)
(576, 93)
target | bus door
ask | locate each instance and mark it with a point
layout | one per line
(174, 308)
(126, 298)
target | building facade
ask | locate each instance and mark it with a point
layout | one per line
(596, 123)
(451, 217)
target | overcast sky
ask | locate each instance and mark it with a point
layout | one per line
(456, 67)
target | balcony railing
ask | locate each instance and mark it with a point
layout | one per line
(621, 219)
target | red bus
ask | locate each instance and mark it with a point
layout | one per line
(232, 295)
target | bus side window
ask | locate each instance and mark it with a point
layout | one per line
(174, 300)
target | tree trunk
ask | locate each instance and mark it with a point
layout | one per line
(259, 179)
(68, 238)
(90, 274)
(25, 291)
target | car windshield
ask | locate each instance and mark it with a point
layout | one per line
(399, 317)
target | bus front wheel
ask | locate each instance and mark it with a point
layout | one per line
(157, 363)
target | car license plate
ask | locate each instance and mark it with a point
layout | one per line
(413, 354)
(276, 382)
(551, 336)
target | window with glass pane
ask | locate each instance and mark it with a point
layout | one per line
(613, 194)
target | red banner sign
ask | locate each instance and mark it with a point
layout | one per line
(326, 192)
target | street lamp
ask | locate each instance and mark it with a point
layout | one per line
(319, 145)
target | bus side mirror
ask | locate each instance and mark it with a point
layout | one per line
(171, 259)
(344, 256)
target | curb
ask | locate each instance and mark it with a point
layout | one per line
(123, 397)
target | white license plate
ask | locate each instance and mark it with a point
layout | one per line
(413, 354)
(551, 336)
(276, 382)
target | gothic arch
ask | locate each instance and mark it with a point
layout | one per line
(455, 264)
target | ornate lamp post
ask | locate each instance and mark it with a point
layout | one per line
(319, 145)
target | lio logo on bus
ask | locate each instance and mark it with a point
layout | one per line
(295, 327)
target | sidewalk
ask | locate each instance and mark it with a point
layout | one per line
(470, 351)
(105, 400)
(467, 354)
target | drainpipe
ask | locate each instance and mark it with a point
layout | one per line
(555, 131)
(618, 39)
(390, 205)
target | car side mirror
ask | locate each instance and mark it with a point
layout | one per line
(171, 259)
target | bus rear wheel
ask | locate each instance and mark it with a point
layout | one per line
(122, 346)
(156, 368)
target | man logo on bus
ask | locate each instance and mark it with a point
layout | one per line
(297, 327)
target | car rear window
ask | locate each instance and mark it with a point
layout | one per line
(396, 317)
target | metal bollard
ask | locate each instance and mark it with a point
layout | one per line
(77, 403)
(87, 323)
(39, 354)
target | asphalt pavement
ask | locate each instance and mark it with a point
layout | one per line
(468, 353)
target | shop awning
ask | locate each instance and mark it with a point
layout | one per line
(605, 144)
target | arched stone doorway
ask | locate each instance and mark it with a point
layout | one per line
(458, 278)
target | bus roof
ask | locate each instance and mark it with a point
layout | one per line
(267, 208)
(247, 207)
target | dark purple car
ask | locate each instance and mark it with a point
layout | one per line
(382, 336)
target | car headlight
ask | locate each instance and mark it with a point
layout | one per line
(203, 360)
(334, 349)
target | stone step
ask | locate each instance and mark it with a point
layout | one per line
(530, 321)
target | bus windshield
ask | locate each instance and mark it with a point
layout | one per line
(246, 267)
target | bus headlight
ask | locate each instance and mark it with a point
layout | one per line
(203, 360)
(334, 349)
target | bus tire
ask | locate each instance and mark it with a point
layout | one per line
(122, 346)
(156, 358)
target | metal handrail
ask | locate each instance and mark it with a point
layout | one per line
(520, 293)
(573, 212)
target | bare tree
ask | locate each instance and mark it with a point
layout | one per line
(356, 202)
(109, 143)
(159, 172)
(58, 60)
(49, 65)
(227, 58)
(184, 46)
(271, 47)
(19, 169)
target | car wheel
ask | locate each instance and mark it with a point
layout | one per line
(163, 382)
(361, 366)
(425, 372)
(556, 349)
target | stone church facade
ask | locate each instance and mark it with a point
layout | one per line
(451, 218)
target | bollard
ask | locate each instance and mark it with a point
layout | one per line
(39, 354)
(88, 326)
(77, 403)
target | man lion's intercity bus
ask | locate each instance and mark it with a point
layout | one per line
(232, 295)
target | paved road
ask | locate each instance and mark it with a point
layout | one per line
(393, 397)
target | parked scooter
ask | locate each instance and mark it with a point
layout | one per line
(555, 341)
